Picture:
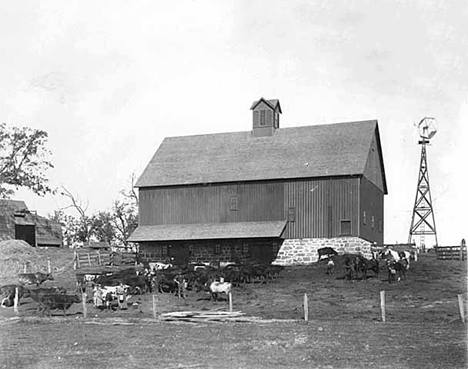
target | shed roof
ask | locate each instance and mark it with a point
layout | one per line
(299, 152)
(8, 206)
(205, 231)
(48, 232)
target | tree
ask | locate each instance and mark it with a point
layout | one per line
(102, 228)
(23, 160)
(113, 226)
(81, 228)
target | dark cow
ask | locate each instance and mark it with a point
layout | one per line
(326, 251)
(37, 294)
(34, 278)
(8, 294)
(364, 265)
(57, 301)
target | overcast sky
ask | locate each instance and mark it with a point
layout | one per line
(108, 80)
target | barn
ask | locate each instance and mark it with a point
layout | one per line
(18, 222)
(269, 194)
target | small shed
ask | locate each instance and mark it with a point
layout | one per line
(20, 223)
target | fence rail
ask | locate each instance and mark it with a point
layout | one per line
(93, 258)
(451, 252)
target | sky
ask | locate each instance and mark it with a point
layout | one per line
(109, 80)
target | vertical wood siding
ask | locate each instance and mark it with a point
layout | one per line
(371, 202)
(211, 203)
(321, 205)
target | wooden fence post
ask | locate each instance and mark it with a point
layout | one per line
(461, 308)
(89, 260)
(49, 269)
(25, 268)
(382, 305)
(230, 302)
(99, 257)
(16, 301)
(75, 260)
(306, 308)
(84, 297)
(154, 306)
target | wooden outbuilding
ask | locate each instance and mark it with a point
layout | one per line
(269, 194)
(18, 222)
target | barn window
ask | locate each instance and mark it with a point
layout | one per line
(164, 250)
(245, 248)
(262, 117)
(269, 117)
(373, 222)
(345, 228)
(364, 220)
(233, 202)
(255, 118)
(292, 214)
(217, 248)
(190, 249)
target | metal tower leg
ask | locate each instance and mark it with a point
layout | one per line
(423, 221)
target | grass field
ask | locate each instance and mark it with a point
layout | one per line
(423, 327)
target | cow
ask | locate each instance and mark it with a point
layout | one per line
(39, 293)
(57, 301)
(110, 296)
(8, 294)
(219, 287)
(154, 266)
(34, 278)
(388, 254)
(326, 251)
(364, 265)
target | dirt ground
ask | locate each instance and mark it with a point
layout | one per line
(423, 328)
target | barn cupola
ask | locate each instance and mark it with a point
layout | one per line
(265, 117)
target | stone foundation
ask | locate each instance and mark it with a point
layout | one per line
(304, 251)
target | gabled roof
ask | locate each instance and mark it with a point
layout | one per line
(272, 103)
(301, 152)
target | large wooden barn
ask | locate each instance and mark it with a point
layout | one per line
(269, 194)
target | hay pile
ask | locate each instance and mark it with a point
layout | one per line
(14, 254)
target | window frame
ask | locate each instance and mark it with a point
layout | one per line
(342, 228)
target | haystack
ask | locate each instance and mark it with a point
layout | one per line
(15, 254)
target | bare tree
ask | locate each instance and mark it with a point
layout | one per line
(85, 222)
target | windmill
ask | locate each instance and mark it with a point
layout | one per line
(423, 221)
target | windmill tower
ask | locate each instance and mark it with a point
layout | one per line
(423, 221)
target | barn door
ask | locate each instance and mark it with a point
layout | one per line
(262, 252)
(26, 233)
(180, 253)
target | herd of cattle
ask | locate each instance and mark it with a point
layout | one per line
(356, 266)
(114, 290)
